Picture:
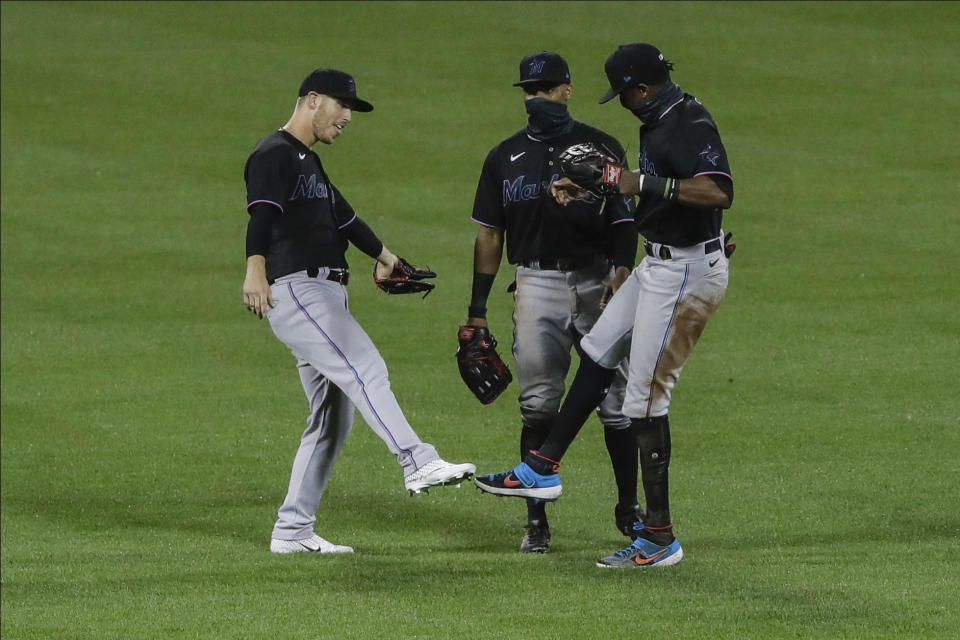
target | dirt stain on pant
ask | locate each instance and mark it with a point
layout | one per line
(690, 320)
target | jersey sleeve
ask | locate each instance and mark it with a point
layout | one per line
(700, 152)
(343, 213)
(269, 176)
(488, 203)
(618, 209)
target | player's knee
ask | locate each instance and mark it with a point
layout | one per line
(372, 375)
(589, 367)
(614, 422)
(536, 428)
(539, 420)
(610, 410)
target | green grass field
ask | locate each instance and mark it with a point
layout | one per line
(148, 421)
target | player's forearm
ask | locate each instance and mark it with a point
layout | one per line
(386, 257)
(256, 263)
(700, 191)
(488, 251)
(256, 268)
(362, 237)
(487, 254)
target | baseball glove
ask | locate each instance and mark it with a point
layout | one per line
(405, 278)
(481, 368)
(591, 168)
(729, 247)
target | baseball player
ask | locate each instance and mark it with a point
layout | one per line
(566, 257)
(297, 276)
(683, 183)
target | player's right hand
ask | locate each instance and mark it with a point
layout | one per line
(566, 191)
(257, 298)
(256, 290)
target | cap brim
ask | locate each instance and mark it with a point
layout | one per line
(355, 103)
(609, 95)
(361, 105)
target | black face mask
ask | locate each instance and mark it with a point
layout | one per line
(547, 119)
(655, 106)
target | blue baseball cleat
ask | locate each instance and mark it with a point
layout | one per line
(521, 482)
(643, 553)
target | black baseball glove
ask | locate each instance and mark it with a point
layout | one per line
(729, 247)
(482, 369)
(405, 278)
(591, 168)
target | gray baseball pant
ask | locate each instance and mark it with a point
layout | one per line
(340, 369)
(548, 306)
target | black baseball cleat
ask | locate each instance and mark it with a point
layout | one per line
(536, 539)
(629, 519)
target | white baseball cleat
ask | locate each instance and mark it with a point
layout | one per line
(437, 473)
(313, 544)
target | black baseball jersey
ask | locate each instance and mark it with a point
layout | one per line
(514, 195)
(683, 143)
(285, 173)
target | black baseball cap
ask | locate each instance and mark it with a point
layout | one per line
(335, 84)
(633, 64)
(546, 66)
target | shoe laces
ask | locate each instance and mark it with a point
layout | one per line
(427, 468)
(623, 553)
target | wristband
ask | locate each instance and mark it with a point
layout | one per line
(476, 312)
(482, 283)
(666, 188)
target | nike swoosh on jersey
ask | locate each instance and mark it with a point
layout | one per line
(302, 155)
(514, 157)
(714, 262)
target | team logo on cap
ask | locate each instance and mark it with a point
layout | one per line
(537, 66)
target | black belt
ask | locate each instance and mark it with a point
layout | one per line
(337, 275)
(664, 253)
(559, 264)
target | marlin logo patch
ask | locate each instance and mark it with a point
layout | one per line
(710, 154)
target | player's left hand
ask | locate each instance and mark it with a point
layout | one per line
(404, 278)
(385, 264)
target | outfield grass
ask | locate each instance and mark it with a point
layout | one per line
(148, 422)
